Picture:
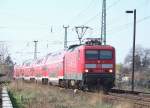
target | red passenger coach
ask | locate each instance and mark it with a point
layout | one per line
(17, 72)
(54, 67)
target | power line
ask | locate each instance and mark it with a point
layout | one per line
(117, 20)
(109, 7)
(83, 11)
(113, 4)
(143, 19)
(142, 5)
(91, 19)
(125, 26)
(96, 15)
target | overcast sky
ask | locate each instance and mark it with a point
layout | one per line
(22, 21)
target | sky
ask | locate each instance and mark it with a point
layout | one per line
(23, 21)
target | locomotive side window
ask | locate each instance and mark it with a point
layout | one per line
(105, 54)
(91, 54)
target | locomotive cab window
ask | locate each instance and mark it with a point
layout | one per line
(105, 54)
(98, 54)
(91, 54)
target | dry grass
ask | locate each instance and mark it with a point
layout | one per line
(124, 105)
(29, 95)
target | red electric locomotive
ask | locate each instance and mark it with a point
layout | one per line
(90, 65)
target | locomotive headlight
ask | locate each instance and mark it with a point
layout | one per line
(86, 70)
(110, 70)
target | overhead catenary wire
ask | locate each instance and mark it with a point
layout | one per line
(82, 11)
(98, 14)
(125, 26)
(139, 7)
(122, 26)
(108, 8)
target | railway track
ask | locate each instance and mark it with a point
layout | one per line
(135, 102)
(137, 99)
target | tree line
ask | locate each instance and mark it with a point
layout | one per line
(6, 63)
(142, 67)
(142, 59)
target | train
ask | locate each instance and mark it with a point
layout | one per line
(84, 66)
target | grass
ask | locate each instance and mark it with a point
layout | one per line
(29, 95)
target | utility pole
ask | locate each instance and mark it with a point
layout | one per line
(35, 49)
(65, 38)
(82, 30)
(3, 51)
(134, 37)
(103, 23)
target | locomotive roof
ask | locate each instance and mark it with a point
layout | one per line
(100, 46)
(72, 47)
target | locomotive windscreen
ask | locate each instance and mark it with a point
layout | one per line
(98, 54)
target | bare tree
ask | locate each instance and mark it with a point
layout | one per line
(138, 54)
(142, 58)
(6, 64)
(146, 58)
